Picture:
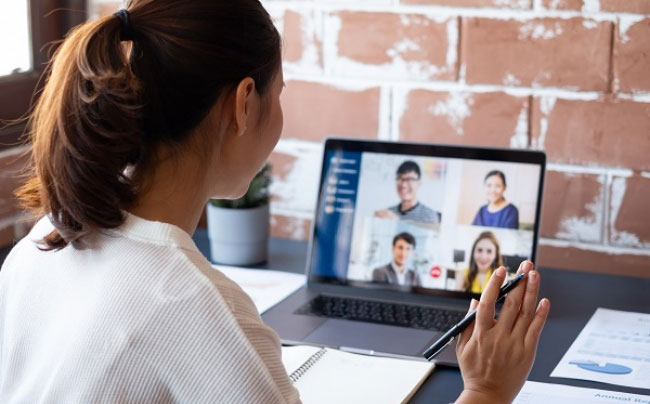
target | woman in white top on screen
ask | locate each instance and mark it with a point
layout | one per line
(145, 116)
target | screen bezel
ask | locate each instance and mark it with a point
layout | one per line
(425, 150)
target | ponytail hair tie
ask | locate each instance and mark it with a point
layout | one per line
(127, 29)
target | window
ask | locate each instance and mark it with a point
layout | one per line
(27, 27)
(15, 46)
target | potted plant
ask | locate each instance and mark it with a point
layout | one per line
(238, 229)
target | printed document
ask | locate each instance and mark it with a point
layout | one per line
(264, 286)
(614, 347)
(545, 393)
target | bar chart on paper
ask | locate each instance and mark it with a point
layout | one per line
(614, 347)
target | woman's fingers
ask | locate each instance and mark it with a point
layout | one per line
(467, 332)
(510, 310)
(527, 310)
(485, 314)
(535, 329)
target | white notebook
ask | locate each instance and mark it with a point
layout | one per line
(324, 375)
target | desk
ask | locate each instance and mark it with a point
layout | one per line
(574, 297)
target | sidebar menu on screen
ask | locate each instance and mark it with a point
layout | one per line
(338, 196)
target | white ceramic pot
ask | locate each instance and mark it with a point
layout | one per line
(238, 236)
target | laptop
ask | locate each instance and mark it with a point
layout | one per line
(404, 235)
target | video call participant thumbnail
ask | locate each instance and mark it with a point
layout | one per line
(485, 259)
(408, 183)
(396, 272)
(497, 212)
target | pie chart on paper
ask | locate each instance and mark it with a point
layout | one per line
(609, 368)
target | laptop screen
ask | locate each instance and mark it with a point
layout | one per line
(423, 218)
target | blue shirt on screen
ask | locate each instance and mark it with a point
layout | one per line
(507, 217)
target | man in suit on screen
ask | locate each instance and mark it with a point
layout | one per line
(396, 271)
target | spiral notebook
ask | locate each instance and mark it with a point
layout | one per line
(325, 375)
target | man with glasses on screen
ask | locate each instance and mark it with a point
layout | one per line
(408, 182)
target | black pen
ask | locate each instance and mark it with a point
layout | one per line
(450, 335)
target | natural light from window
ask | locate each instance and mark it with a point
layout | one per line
(15, 44)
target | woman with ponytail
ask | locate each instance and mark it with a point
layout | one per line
(145, 116)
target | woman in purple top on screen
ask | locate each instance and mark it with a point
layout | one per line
(498, 212)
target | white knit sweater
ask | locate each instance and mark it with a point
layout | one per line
(140, 317)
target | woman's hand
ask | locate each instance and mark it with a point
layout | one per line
(495, 356)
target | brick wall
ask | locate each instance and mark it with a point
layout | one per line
(13, 224)
(570, 77)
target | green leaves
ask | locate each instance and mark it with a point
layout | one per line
(256, 196)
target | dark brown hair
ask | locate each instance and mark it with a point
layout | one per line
(473, 267)
(497, 173)
(108, 104)
(407, 167)
(407, 237)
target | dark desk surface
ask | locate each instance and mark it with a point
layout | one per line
(3, 254)
(574, 298)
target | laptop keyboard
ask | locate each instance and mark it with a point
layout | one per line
(403, 315)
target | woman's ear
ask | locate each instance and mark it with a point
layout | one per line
(243, 99)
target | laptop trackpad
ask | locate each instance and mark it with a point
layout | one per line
(380, 338)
